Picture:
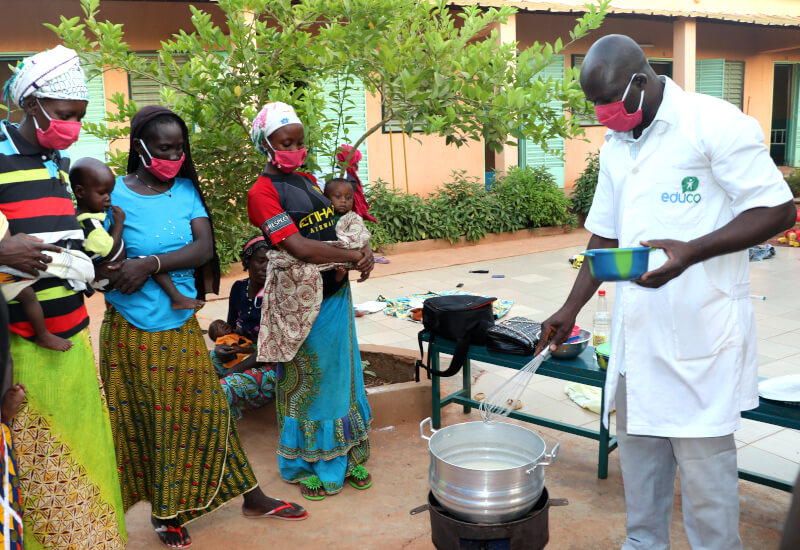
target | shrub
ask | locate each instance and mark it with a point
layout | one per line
(463, 206)
(583, 193)
(793, 180)
(398, 215)
(533, 195)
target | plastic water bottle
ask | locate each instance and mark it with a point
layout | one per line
(601, 328)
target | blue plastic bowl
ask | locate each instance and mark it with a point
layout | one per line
(618, 264)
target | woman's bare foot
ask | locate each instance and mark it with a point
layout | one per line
(12, 401)
(51, 341)
(184, 302)
(171, 533)
(258, 505)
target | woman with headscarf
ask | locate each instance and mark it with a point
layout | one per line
(322, 408)
(177, 445)
(248, 384)
(68, 482)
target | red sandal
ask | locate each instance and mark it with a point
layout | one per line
(163, 529)
(286, 505)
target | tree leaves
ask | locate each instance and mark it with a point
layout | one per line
(437, 70)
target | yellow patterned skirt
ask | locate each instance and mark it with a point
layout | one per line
(176, 442)
(68, 481)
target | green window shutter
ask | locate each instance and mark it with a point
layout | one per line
(144, 91)
(710, 77)
(533, 155)
(89, 145)
(354, 111)
(733, 86)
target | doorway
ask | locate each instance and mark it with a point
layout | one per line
(783, 140)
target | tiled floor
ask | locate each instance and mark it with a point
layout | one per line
(538, 283)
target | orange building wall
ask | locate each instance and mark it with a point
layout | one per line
(428, 162)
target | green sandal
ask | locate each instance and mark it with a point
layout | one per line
(359, 473)
(312, 483)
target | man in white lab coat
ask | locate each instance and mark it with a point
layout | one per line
(690, 175)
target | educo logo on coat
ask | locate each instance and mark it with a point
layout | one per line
(689, 184)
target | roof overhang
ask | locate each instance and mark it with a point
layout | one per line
(622, 7)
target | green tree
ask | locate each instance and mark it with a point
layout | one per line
(435, 68)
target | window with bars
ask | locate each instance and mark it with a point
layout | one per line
(144, 91)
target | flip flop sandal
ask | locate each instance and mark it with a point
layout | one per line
(313, 483)
(359, 473)
(381, 260)
(161, 531)
(274, 513)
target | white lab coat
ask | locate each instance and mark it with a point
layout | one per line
(689, 347)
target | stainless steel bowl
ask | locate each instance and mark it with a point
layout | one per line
(573, 349)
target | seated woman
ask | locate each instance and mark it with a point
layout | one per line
(247, 384)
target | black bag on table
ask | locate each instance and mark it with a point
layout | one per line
(517, 336)
(462, 318)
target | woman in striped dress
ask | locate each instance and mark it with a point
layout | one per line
(67, 480)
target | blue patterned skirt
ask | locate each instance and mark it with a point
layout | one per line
(322, 408)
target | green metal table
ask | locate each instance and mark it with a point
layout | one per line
(583, 369)
(772, 412)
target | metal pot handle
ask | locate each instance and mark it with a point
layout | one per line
(551, 456)
(429, 422)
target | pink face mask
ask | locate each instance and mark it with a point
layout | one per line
(288, 161)
(615, 117)
(162, 169)
(60, 134)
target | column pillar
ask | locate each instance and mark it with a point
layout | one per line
(509, 156)
(684, 52)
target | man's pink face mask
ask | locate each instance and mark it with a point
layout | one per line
(615, 117)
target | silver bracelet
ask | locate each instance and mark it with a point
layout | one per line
(157, 262)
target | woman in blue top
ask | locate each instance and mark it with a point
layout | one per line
(176, 443)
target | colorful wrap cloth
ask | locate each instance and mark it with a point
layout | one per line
(65, 452)
(245, 391)
(11, 526)
(176, 443)
(360, 205)
(401, 307)
(52, 74)
(323, 413)
(73, 266)
(293, 294)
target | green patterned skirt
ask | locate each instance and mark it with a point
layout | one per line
(177, 445)
(68, 480)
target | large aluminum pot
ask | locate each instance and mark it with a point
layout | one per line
(486, 472)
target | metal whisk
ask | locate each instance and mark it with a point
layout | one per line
(501, 401)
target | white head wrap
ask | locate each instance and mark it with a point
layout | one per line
(273, 116)
(52, 74)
